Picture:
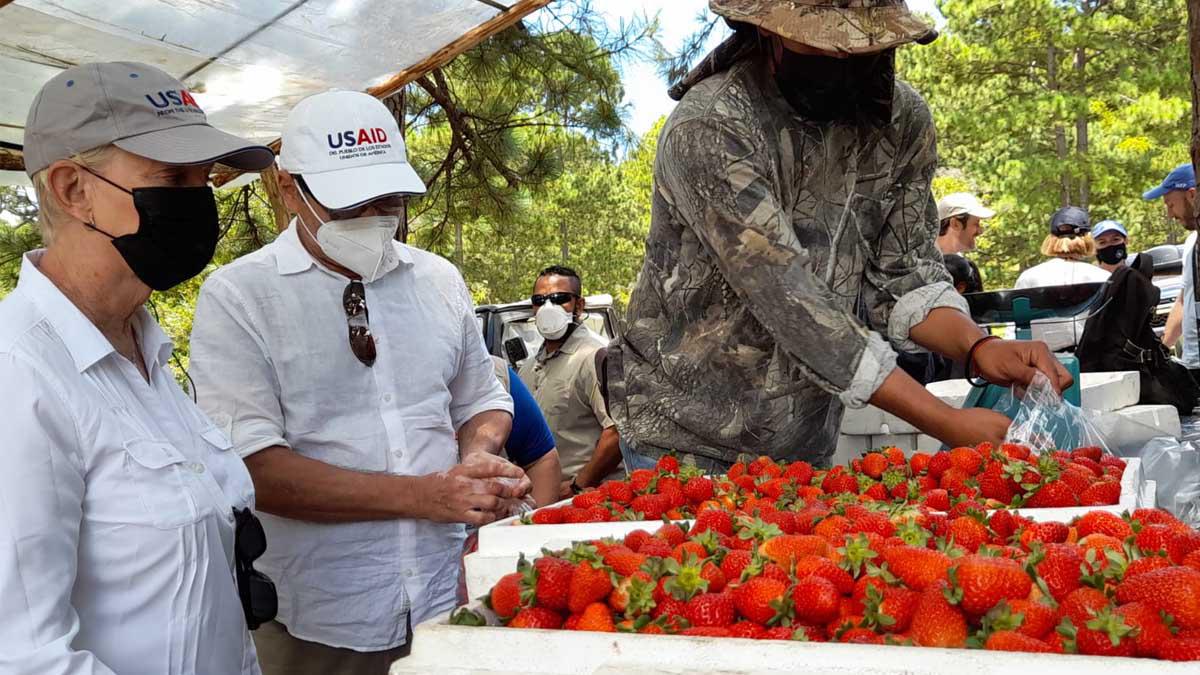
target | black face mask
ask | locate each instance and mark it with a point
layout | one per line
(825, 88)
(176, 237)
(1111, 255)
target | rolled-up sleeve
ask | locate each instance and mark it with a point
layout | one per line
(908, 279)
(475, 388)
(235, 381)
(41, 507)
(732, 206)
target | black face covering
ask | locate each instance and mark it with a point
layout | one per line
(1111, 255)
(825, 88)
(176, 237)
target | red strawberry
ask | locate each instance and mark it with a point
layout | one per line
(1154, 517)
(670, 610)
(816, 600)
(706, 631)
(1037, 618)
(1192, 560)
(1092, 466)
(1090, 452)
(711, 573)
(919, 463)
(1183, 649)
(1150, 633)
(937, 623)
(1174, 590)
(672, 533)
(667, 464)
(698, 489)
(633, 595)
(1078, 477)
(1012, 641)
(840, 483)
(652, 507)
(891, 608)
(710, 609)
(536, 617)
(1054, 494)
(811, 565)
(917, 568)
(1015, 451)
(656, 547)
(640, 479)
(938, 500)
(783, 633)
(590, 583)
(623, 561)
(1046, 533)
(1002, 524)
(967, 460)
(874, 464)
(1144, 565)
(758, 599)
(955, 481)
(596, 617)
(1103, 522)
(734, 563)
(505, 597)
(968, 533)
(787, 549)
(689, 548)
(1153, 538)
(799, 472)
(861, 636)
(1106, 635)
(547, 516)
(635, 539)
(986, 581)
(1182, 543)
(1083, 604)
(618, 491)
(994, 484)
(938, 464)
(552, 582)
(588, 499)
(746, 629)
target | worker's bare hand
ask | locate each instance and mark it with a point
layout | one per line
(1008, 362)
(972, 426)
(471, 492)
(505, 472)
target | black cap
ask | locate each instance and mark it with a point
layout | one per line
(1069, 221)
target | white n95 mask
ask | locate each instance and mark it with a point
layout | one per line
(552, 321)
(362, 245)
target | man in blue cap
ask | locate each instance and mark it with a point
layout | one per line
(1112, 242)
(1178, 192)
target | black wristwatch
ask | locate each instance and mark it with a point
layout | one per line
(575, 489)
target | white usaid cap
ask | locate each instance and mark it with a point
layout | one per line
(961, 203)
(348, 148)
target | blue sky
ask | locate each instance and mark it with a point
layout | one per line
(645, 91)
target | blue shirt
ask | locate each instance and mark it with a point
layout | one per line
(530, 438)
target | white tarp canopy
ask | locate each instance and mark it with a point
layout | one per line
(246, 61)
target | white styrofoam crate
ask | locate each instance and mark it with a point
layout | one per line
(439, 647)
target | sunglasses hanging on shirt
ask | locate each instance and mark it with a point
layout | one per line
(354, 301)
(260, 602)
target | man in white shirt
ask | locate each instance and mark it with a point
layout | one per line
(117, 495)
(1178, 192)
(351, 375)
(961, 215)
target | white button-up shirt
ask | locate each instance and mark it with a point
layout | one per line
(116, 499)
(1191, 341)
(272, 363)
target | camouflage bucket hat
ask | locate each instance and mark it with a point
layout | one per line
(847, 26)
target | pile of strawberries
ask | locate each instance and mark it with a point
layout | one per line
(984, 477)
(795, 566)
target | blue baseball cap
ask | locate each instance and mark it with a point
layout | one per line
(1182, 177)
(1109, 226)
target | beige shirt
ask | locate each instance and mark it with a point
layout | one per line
(567, 390)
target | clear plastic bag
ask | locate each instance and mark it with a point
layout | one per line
(1175, 468)
(1044, 422)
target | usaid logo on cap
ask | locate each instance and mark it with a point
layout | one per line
(351, 144)
(173, 101)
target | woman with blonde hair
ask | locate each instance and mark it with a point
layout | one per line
(1068, 246)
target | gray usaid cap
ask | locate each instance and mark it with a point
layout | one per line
(135, 107)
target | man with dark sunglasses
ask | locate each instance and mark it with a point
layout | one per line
(563, 377)
(349, 371)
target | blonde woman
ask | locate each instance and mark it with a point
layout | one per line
(1068, 246)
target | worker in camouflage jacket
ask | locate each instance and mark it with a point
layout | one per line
(792, 249)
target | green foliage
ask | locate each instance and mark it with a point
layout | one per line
(1040, 103)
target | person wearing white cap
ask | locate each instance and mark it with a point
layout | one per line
(1112, 244)
(961, 215)
(352, 376)
(124, 518)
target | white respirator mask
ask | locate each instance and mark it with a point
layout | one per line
(552, 321)
(362, 245)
